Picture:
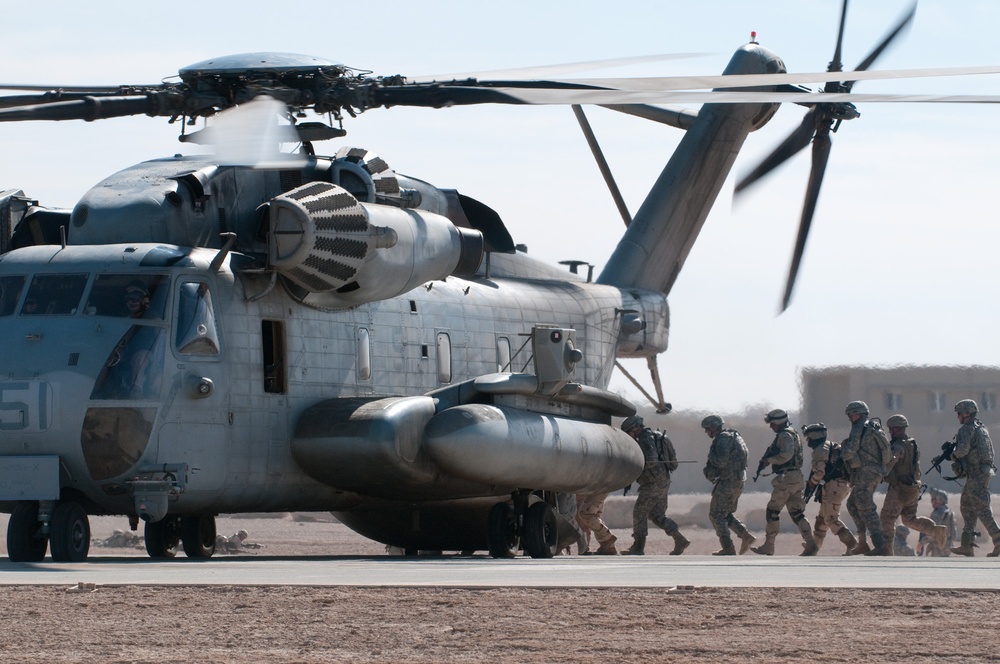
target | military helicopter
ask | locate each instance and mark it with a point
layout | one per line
(203, 335)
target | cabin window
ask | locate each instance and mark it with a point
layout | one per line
(128, 296)
(10, 293)
(197, 332)
(444, 357)
(114, 439)
(54, 294)
(503, 355)
(134, 368)
(364, 354)
(272, 334)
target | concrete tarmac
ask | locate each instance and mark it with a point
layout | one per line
(485, 572)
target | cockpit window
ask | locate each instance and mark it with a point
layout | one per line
(134, 369)
(197, 333)
(54, 294)
(10, 293)
(128, 296)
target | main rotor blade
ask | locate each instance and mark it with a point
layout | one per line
(877, 51)
(837, 64)
(798, 139)
(820, 157)
(549, 71)
(88, 108)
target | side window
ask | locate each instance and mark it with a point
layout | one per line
(197, 332)
(54, 294)
(364, 354)
(444, 357)
(128, 296)
(272, 337)
(10, 293)
(503, 355)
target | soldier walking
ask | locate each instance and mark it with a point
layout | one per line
(590, 507)
(903, 478)
(973, 459)
(828, 480)
(654, 487)
(785, 457)
(727, 470)
(867, 454)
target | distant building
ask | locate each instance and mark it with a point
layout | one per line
(925, 395)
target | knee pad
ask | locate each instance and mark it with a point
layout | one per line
(797, 516)
(771, 515)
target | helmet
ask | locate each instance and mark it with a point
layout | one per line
(776, 415)
(941, 495)
(966, 407)
(815, 431)
(712, 422)
(631, 423)
(857, 407)
(896, 421)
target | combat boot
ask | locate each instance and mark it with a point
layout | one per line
(882, 547)
(967, 546)
(607, 547)
(861, 548)
(746, 541)
(638, 547)
(767, 548)
(809, 547)
(582, 545)
(996, 549)
(727, 547)
(680, 543)
(819, 540)
(940, 535)
(848, 539)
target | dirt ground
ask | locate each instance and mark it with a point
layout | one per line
(338, 624)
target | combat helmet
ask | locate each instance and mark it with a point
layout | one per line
(815, 431)
(631, 423)
(776, 415)
(713, 422)
(856, 408)
(897, 421)
(966, 407)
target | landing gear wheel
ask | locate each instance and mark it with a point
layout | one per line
(69, 533)
(501, 531)
(162, 537)
(25, 542)
(541, 531)
(198, 535)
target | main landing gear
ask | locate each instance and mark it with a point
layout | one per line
(62, 527)
(195, 534)
(526, 521)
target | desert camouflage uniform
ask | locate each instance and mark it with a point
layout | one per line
(835, 490)
(654, 488)
(785, 457)
(866, 455)
(588, 514)
(973, 457)
(727, 468)
(901, 497)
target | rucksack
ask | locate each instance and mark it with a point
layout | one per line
(665, 452)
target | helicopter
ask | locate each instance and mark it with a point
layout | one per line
(203, 335)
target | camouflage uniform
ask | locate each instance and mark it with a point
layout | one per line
(973, 459)
(903, 493)
(866, 452)
(654, 488)
(727, 469)
(588, 514)
(942, 516)
(785, 457)
(835, 488)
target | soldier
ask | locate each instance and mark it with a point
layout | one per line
(588, 514)
(866, 452)
(900, 547)
(654, 487)
(785, 457)
(828, 480)
(903, 477)
(973, 459)
(942, 516)
(727, 470)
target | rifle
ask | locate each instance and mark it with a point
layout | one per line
(760, 467)
(810, 490)
(947, 449)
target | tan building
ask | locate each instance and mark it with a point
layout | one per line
(925, 395)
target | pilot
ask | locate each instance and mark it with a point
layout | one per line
(136, 299)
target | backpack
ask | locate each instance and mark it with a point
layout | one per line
(665, 451)
(836, 468)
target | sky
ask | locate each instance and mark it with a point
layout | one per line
(900, 265)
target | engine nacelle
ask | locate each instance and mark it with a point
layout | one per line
(325, 241)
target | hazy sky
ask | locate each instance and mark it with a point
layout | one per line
(900, 268)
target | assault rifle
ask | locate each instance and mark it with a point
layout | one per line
(813, 489)
(760, 468)
(947, 449)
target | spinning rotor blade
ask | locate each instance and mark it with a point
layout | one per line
(820, 157)
(877, 51)
(797, 140)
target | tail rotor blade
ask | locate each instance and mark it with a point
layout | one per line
(820, 157)
(795, 142)
(886, 41)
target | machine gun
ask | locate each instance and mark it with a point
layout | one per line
(947, 449)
